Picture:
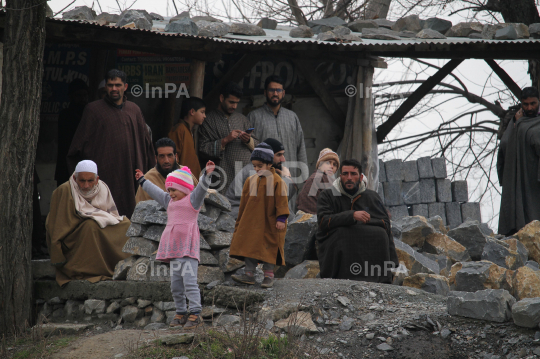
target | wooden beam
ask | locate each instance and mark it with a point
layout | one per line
(196, 90)
(197, 78)
(384, 129)
(308, 70)
(235, 74)
(505, 78)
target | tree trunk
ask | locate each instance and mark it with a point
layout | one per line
(377, 9)
(24, 42)
(297, 12)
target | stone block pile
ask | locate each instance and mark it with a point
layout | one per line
(484, 275)
(147, 225)
(420, 188)
(332, 29)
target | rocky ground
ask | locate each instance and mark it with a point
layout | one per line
(340, 318)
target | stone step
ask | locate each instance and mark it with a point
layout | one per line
(83, 289)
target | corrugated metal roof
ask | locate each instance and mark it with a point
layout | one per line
(281, 37)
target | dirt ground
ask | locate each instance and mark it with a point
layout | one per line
(415, 324)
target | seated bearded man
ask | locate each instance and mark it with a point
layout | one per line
(166, 162)
(85, 233)
(354, 234)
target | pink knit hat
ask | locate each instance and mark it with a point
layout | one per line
(180, 180)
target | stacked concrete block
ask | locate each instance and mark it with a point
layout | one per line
(394, 170)
(424, 168)
(444, 190)
(420, 210)
(410, 171)
(393, 193)
(421, 187)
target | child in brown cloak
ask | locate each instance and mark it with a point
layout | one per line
(259, 234)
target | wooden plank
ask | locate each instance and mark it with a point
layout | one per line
(384, 129)
(235, 74)
(310, 74)
(197, 78)
(505, 78)
(367, 126)
(196, 90)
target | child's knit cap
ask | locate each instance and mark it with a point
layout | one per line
(181, 180)
(327, 155)
(263, 152)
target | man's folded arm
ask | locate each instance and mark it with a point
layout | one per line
(327, 217)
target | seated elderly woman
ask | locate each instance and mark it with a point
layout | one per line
(85, 233)
(321, 179)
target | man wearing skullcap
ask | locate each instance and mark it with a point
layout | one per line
(85, 232)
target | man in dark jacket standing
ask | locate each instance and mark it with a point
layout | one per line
(354, 237)
(113, 134)
(518, 166)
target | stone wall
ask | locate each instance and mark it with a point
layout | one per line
(421, 188)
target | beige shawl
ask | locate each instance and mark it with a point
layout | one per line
(97, 205)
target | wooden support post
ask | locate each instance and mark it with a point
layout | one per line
(235, 74)
(384, 129)
(505, 78)
(98, 70)
(168, 115)
(358, 135)
(196, 89)
(197, 78)
(308, 70)
(367, 125)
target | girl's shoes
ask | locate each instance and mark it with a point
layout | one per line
(179, 320)
(193, 321)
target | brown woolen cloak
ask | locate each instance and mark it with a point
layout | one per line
(255, 233)
(79, 248)
(117, 140)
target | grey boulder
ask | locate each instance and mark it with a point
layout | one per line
(438, 25)
(138, 17)
(490, 304)
(183, 26)
(301, 31)
(526, 312)
(298, 238)
(409, 23)
(430, 34)
(246, 29)
(267, 23)
(80, 13)
(359, 25)
(212, 29)
(471, 237)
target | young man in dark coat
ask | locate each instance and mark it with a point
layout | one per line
(354, 236)
(518, 166)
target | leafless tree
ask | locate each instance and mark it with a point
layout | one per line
(24, 43)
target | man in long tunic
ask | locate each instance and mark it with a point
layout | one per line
(223, 137)
(354, 234)
(518, 166)
(85, 233)
(166, 162)
(113, 134)
(274, 121)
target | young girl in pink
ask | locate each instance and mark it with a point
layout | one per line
(180, 240)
